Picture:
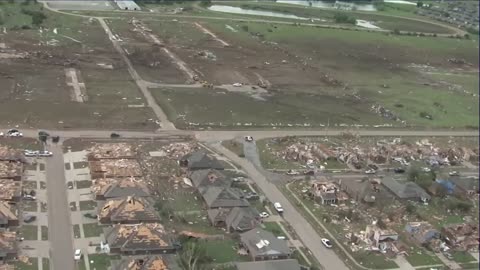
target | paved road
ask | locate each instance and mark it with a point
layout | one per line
(302, 227)
(59, 225)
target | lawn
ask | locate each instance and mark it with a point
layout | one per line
(274, 228)
(462, 257)
(92, 229)
(222, 251)
(28, 185)
(416, 259)
(270, 161)
(46, 263)
(30, 206)
(101, 261)
(234, 146)
(374, 260)
(87, 205)
(83, 184)
(29, 232)
(31, 264)
(44, 233)
(76, 231)
(470, 266)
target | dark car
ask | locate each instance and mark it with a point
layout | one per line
(114, 135)
(399, 170)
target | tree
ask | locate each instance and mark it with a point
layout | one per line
(411, 208)
(344, 18)
(192, 256)
(419, 4)
(205, 3)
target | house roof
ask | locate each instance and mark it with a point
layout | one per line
(143, 263)
(10, 169)
(405, 189)
(9, 189)
(263, 243)
(210, 177)
(116, 167)
(224, 197)
(367, 190)
(242, 218)
(128, 209)
(112, 188)
(111, 151)
(8, 242)
(144, 237)
(289, 264)
(10, 154)
(6, 213)
(201, 160)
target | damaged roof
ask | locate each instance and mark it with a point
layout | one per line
(10, 169)
(201, 160)
(289, 264)
(111, 151)
(263, 243)
(144, 263)
(124, 210)
(405, 189)
(9, 189)
(142, 237)
(6, 213)
(210, 177)
(242, 218)
(113, 188)
(116, 168)
(10, 154)
(8, 243)
(224, 197)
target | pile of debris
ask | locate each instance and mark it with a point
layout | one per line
(111, 151)
(207, 55)
(177, 150)
(385, 113)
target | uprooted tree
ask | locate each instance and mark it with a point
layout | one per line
(192, 256)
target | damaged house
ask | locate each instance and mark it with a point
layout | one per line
(209, 177)
(8, 216)
(238, 219)
(10, 191)
(262, 245)
(366, 190)
(129, 210)
(8, 245)
(325, 192)
(462, 237)
(109, 188)
(406, 190)
(379, 239)
(10, 154)
(144, 263)
(422, 232)
(114, 168)
(200, 160)
(11, 170)
(139, 239)
(223, 197)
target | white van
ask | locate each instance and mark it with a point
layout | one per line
(278, 207)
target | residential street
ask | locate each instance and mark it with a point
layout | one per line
(59, 227)
(327, 258)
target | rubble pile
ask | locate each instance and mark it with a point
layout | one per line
(111, 151)
(385, 113)
(179, 149)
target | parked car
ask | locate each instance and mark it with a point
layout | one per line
(249, 138)
(114, 135)
(399, 170)
(370, 171)
(264, 215)
(15, 134)
(45, 154)
(292, 172)
(29, 219)
(454, 173)
(373, 166)
(281, 237)
(326, 243)
(278, 207)
(30, 153)
(29, 197)
(77, 255)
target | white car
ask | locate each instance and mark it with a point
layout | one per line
(29, 197)
(45, 154)
(29, 153)
(326, 243)
(248, 138)
(264, 215)
(454, 173)
(237, 84)
(278, 207)
(292, 172)
(371, 171)
(78, 255)
(15, 134)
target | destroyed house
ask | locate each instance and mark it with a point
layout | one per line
(109, 188)
(153, 262)
(10, 190)
(8, 245)
(11, 170)
(200, 160)
(223, 197)
(111, 151)
(115, 168)
(422, 232)
(207, 178)
(262, 245)
(129, 210)
(288, 264)
(9, 154)
(406, 190)
(379, 237)
(8, 216)
(238, 219)
(463, 237)
(369, 191)
(325, 192)
(139, 239)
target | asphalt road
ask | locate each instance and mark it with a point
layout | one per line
(59, 225)
(308, 235)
